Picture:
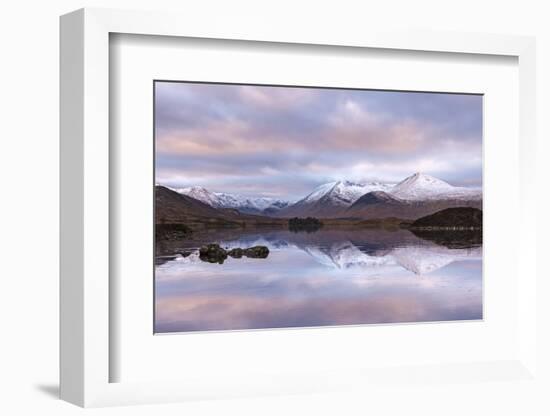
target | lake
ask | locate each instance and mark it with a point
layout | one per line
(327, 277)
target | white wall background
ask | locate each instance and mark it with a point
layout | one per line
(29, 204)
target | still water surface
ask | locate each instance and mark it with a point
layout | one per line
(329, 277)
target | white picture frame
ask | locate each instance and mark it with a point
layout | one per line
(85, 209)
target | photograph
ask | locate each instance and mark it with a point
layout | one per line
(281, 206)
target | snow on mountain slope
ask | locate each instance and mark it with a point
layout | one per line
(200, 193)
(318, 192)
(421, 187)
(344, 192)
(224, 200)
(417, 187)
(330, 199)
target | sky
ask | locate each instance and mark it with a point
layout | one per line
(283, 142)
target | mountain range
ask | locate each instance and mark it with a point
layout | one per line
(172, 207)
(247, 205)
(415, 196)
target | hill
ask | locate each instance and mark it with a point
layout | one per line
(382, 205)
(172, 207)
(451, 218)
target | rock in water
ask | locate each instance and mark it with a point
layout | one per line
(236, 253)
(257, 252)
(212, 253)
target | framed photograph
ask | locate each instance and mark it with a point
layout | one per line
(260, 211)
(288, 206)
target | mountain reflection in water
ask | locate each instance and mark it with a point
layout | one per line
(330, 277)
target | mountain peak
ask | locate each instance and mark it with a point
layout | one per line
(421, 180)
(420, 186)
(200, 193)
(330, 198)
(424, 177)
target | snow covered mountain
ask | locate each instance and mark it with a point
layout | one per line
(332, 198)
(248, 205)
(344, 192)
(422, 187)
(414, 197)
(200, 193)
(417, 195)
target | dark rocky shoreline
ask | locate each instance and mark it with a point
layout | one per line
(450, 219)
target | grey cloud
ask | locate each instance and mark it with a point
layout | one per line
(288, 140)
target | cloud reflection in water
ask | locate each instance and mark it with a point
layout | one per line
(331, 281)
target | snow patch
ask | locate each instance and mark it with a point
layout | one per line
(225, 200)
(344, 193)
(422, 187)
